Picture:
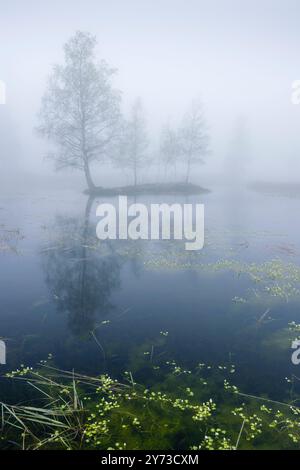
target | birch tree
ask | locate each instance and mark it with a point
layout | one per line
(169, 147)
(80, 110)
(194, 138)
(135, 141)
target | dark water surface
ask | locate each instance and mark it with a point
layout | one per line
(101, 306)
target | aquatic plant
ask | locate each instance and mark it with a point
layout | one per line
(190, 409)
(275, 277)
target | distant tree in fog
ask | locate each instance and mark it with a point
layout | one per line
(134, 142)
(80, 110)
(169, 147)
(239, 153)
(194, 138)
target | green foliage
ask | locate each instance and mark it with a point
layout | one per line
(189, 409)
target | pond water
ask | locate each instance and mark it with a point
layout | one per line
(101, 306)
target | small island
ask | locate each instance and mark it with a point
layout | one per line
(148, 188)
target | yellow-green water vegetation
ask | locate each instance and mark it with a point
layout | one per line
(194, 409)
(274, 277)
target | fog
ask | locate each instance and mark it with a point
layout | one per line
(239, 58)
(149, 238)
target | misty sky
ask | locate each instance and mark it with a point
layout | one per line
(240, 57)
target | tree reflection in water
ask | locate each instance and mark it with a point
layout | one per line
(81, 272)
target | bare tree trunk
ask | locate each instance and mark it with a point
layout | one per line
(88, 176)
(135, 176)
(188, 172)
